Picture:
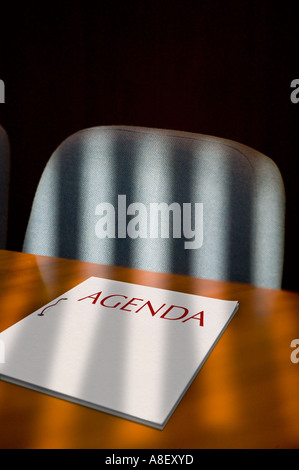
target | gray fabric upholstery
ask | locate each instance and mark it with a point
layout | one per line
(4, 185)
(241, 192)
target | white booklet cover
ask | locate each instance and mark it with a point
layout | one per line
(121, 348)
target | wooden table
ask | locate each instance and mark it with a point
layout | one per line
(245, 396)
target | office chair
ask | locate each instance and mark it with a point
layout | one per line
(162, 201)
(4, 185)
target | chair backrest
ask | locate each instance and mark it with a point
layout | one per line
(4, 185)
(104, 190)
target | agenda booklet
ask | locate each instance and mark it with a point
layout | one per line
(121, 348)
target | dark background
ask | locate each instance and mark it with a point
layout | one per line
(221, 68)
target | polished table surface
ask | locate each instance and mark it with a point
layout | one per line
(245, 396)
